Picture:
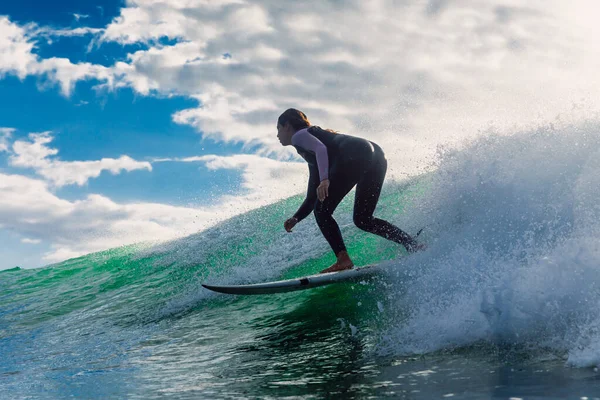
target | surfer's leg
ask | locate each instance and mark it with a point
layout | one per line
(323, 211)
(324, 214)
(368, 190)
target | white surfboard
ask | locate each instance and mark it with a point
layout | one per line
(290, 285)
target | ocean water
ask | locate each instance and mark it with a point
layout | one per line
(505, 302)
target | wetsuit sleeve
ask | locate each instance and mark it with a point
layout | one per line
(311, 194)
(308, 142)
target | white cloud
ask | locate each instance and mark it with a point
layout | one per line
(67, 74)
(28, 207)
(149, 20)
(412, 72)
(37, 155)
(128, 27)
(427, 71)
(74, 228)
(264, 180)
(431, 72)
(248, 21)
(82, 31)
(80, 16)
(223, 109)
(17, 44)
(5, 134)
(15, 48)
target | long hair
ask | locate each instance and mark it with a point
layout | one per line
(297, 119)
(294, 117)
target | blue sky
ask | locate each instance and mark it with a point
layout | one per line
(142, 120)
(91, 124)
(118, 123)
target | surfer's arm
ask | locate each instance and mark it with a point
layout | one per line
(308, 142)
(311, 194)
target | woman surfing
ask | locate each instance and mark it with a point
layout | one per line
(336, 164)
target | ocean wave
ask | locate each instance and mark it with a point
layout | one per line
(514, 248)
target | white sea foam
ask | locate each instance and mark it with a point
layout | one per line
(514, 254)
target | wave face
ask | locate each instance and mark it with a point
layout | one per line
(512, 224)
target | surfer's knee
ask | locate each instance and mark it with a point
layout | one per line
(363, 222)
(320, 211)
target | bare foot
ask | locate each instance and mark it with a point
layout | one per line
(343, 262)
(336, 267)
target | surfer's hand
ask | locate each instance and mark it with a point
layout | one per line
(290, 223)
(323, 190)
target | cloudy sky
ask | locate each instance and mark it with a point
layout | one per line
(126, 121)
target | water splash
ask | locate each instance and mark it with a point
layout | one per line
(514, 256)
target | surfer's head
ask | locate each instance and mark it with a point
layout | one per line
(290, 122)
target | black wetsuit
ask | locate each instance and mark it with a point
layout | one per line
(352, 161)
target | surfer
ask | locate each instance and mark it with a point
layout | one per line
(337, 163)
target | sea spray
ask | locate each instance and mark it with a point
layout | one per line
(514, 256)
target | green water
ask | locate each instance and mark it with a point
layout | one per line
(133, 322)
